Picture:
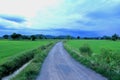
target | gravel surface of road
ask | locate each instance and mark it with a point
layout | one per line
(60, 66)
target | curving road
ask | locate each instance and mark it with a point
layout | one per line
(60, 66)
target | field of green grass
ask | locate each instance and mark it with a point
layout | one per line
(103, 56)
(13, 48)
(96, 45)
(14, 54)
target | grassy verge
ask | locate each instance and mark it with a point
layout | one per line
(32, 70)
(107, 63)
(15, 62)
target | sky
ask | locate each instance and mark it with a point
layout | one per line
(60, 17)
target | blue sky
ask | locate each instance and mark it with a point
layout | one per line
(60, 17)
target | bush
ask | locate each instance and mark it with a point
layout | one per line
(115, 37)
(85, 50)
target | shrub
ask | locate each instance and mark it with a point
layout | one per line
(115, 37)
(43, 47)
(85, 49)
(33, 37)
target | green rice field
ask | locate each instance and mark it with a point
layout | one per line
(96, 45)
(13, 48)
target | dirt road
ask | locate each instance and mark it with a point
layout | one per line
(60, 66)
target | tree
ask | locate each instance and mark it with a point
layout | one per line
(115, 37)
(41, 36)
(78, 37)
(16, 36)
(33, 37)
(5, 36)
(25, 37)
(106, 37)
(68, 37)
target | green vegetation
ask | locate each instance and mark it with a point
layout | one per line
(33, 37)
(16, 53)
(96, 45)
(10, 49)
(105, 58)
(85, 50)
(115, 37)
(32, 70)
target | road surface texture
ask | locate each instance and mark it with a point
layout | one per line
(60, 66)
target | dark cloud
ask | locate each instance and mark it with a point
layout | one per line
(2, 26)
(105, 14)
(85, 23)
(55, 32)
(75, 32)
(17, 19)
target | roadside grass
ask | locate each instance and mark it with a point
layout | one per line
(16, 60)
(32, 70)
(106, 62)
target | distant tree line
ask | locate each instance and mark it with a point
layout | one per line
(114, 37)
(16, 36)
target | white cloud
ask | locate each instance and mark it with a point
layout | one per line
(27, 8)
(48, 14)
(32, 10)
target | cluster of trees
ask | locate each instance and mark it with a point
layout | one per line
(114, 37)
(16, 36)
